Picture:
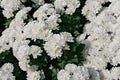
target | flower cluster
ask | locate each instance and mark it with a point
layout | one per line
(41, 21)
(74, 72)
(40, 26)
(93, 8)
(101, 36)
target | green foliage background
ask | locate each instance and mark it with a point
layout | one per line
(73, 24)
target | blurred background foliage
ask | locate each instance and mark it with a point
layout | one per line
(73, 24)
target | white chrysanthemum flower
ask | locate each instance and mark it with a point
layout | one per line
(72, 5)
(67, 36)
(35, 75)
(63, 75)
(71, 68)
(52, 22)
(22, 53)
(9, 7)
(24, 65)
(6, 72)
(45, 34)
(70, 10)
(60, 4)
(35, 51)
(56, 43)
(7, 67)
(53, 50)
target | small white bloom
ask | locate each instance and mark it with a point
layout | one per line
(22, 53)
(52, 21)
(6, 72)
(9, 7)
(35, 75)
(67, 36)
(63, 75)
(35, 51)
(7, 67)
(24, 65)
(60, 4)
